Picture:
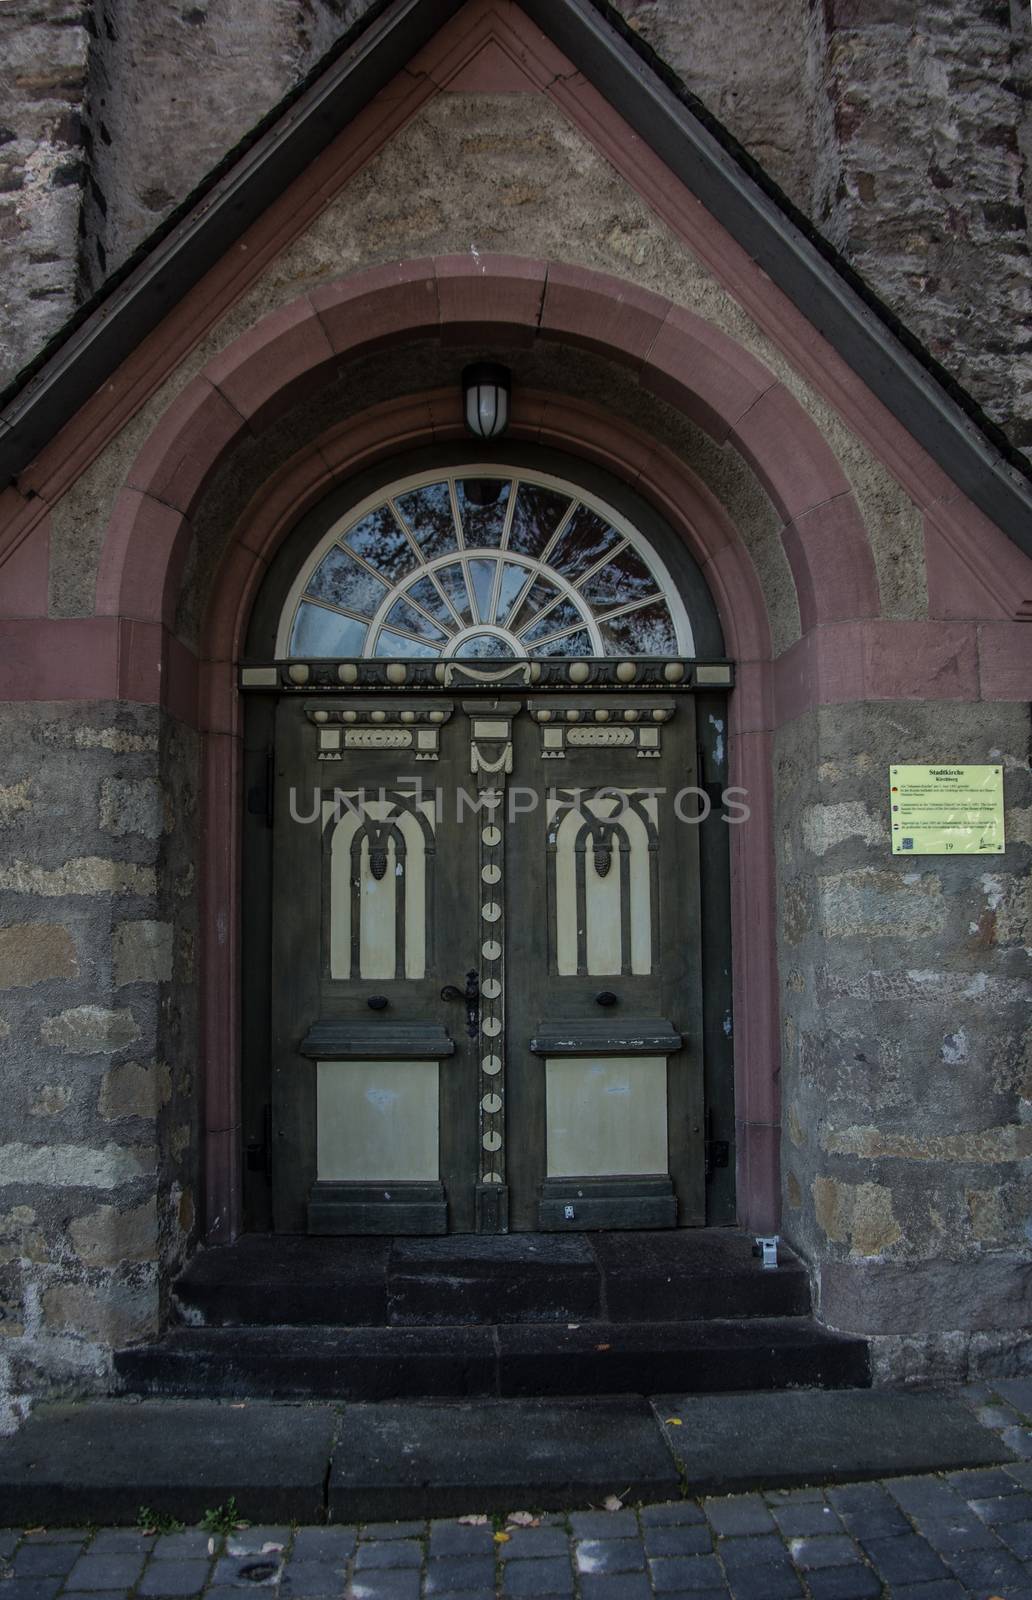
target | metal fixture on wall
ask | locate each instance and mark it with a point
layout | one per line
(486, 388)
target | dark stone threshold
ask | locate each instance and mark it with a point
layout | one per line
(627, 1276)
(99, 1461)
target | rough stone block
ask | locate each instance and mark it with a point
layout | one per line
(132, 806)
(32, 952)
(111, 1314)
(143, 952)
(109, 1236)
(134, 1089)
(90, 1030)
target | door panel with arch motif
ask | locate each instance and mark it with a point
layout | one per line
(486, 987)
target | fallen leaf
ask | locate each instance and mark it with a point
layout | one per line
(211, 1547)
(674, 1422)
(612, 1502)
(573, 1326)
(36, 1530)
(267, 1549)
(523, 1519)
(502, 1538)
(603, 1347)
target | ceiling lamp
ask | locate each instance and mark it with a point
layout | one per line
(485, 389)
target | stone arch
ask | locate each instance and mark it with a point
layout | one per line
(501, 301)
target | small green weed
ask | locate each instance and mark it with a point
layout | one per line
(150, 1521)
(223, 1518)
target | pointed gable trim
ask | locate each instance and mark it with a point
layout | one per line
(929, 405)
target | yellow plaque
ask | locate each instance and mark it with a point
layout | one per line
(946, 810)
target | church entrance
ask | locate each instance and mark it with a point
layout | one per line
(495, 907)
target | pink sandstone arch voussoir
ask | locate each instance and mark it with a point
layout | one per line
(294, 351)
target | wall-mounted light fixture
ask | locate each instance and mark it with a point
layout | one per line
(486, 387)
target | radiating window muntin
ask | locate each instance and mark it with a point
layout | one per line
(483, 562)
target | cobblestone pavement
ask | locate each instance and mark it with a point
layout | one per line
(953, 1536)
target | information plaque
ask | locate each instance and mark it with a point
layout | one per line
(946, 810)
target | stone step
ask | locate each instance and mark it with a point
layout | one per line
(587, 1358)
(678, 1276)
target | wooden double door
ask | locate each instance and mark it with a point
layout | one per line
(486, 976)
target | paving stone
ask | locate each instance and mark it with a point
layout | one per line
(392, 1530)
(834, 1551)
(760, 1550)
(240, 1572)
(175, 1577)
(997, 1417)
(1021, 1472)
(188, 1542)
(252, 1541)
(1017, 1536)
(461, 1594)
(686, 1572)
(58, 1536)
(459, 1539)
(95, 1594)
(323, 1544)
(962, 1531)
(982, 1485)
(105, 1572)
(1018, 1439)
(992, 1570)
(604, 1525)
(392, 1553)
(610, 1555)
(627, 1586)
(739, 1514)
(765, 1583)
(856, 1582)
(121, 1541)
(679, 1539)
(806, 1519)
(313, 1579)
(781, 1497)
(31, 1588)
(1017, 1392)
(1003, 1508)
(534, 1543)
(868, 1511)
(672, 1511)
(45, 1560)
(905, 1559)
(946, 1589)
(387, 1583)
(547, 1577)
(926, 1495)
(458, 1573)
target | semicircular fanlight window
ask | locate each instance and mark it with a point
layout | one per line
(484, 564)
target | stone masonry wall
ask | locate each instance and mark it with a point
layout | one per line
(902, 130)
(907, 1041)
(98, 1149)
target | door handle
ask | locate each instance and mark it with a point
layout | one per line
(471, 995)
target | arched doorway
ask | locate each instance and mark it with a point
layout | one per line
(486, 945)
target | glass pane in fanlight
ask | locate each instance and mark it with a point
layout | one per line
(485, 647)
(620, 581)
(542, 593)
(584, 541)
(340, 580)
(324, 633)
(482, 574)
(649, 631)
(514, 579)
(483, 503)
(402, 615)
(564, 615)
(428, 512)
(379, 540)
(394, 644)
(426, 594)
(537, 515)
(452, 579)
(574, 644)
